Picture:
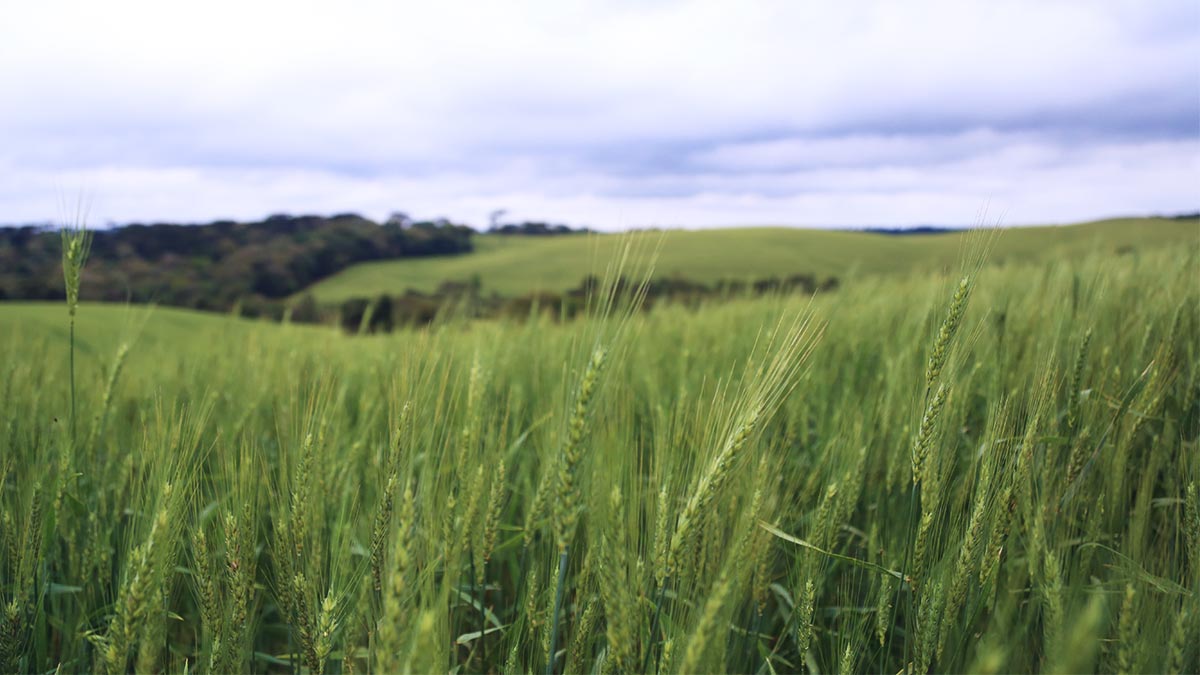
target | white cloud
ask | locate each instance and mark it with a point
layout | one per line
(607, 113)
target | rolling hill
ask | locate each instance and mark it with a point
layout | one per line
(512, 265)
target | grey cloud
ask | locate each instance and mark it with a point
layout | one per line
(601, 110)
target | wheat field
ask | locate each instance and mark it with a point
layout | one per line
(991, 469)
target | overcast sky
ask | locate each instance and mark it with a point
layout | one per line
(609, 114)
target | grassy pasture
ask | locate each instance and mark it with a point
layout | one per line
(518, 265)
(984, 470)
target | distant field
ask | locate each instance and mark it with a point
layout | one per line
(101, 326)
(517, 265)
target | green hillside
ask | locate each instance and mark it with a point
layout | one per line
(103, 326)
(517, 265)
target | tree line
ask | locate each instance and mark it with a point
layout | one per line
(219, 265)
(386, 312)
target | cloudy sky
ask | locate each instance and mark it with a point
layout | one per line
(613, 114)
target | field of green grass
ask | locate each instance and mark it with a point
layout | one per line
(985, 469)
(515, 265)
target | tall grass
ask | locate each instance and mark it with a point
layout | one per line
(76, 244)
(908, 475)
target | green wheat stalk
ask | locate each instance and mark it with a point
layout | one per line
(76, 244)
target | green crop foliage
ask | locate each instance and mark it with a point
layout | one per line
(900, 475)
